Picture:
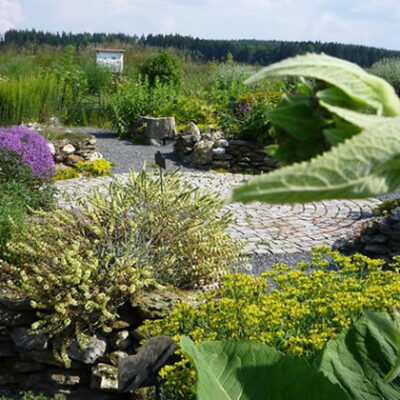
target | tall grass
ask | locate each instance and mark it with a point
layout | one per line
(28, 98)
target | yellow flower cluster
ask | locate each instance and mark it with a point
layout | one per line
(294, 310)
(98, 167)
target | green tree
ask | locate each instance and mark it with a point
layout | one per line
(164, 67)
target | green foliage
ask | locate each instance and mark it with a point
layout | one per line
(163, 67)
(68, 173)
(296, 311)
(98, 79)
(352, 366)
(20, 191)
(388, 69)
(78, 267)
(247, 118)
(252, 371)
(190, 108)
(390, 330)
(360, 358)
(352, 80)
(135, 100)
(363, 165)
(97, 167)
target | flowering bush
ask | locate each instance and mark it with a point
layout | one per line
(31, 149)
(79, 267)
(297, 311)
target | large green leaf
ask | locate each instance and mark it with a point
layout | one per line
(348, 77)
(359, 360)
(251, 371)
(366, 165)
(391, 330)
(364, 121)
(298, 119)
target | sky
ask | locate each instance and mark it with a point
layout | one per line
(366, 22)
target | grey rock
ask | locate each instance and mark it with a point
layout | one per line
(192, 129)
(51, 148)
(142, 369)
(15, 304)
(104, 377)
(25, 341)
(67, 378)
(43, 357)
(376, 249)
(116, 356)
(155, 304)
(221, 143)
(10, 318)
(219, 151)
(379, 239)
(22, 366)
(212, 136)
(203, 152)
(91, 353)
(7, 349)
(160, 128)
(120, 340)
(68, 149)
(94, 156)
(221, 165)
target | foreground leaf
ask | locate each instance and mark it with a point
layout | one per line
(391, 331)
(366, 165)
(251, 371)
(346, 76)
(359, 360)
(364, 121)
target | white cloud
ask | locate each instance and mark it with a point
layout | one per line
(10, 14)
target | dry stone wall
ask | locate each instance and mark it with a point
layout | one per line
(110, 365)
(210, 150)
(69, 151)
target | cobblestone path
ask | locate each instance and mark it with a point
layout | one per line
(269, 229)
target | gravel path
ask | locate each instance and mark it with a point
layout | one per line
(126, 154)
(276, 234)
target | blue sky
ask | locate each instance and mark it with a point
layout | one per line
(368, 22)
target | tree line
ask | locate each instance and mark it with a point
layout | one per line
(262, 52)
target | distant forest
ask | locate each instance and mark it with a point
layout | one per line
(262, 52)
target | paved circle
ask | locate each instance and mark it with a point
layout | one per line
(268, 229)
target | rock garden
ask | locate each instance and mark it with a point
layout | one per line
(244, 265)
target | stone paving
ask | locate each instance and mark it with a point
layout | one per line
(269, 229)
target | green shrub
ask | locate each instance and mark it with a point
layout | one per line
(79, 267)
(68, 173)
(247, 117)
(97, 167)
(163, 67)
(295, 311)
(190, 108)
(388, 69)
(20, 191)
(135, 100)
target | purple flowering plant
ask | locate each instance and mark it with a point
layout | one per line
(22, 147)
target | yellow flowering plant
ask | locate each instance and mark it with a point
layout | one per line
(294, 310)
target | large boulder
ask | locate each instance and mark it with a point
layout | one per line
(203, 152)
(159, 129)
(141, 369)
